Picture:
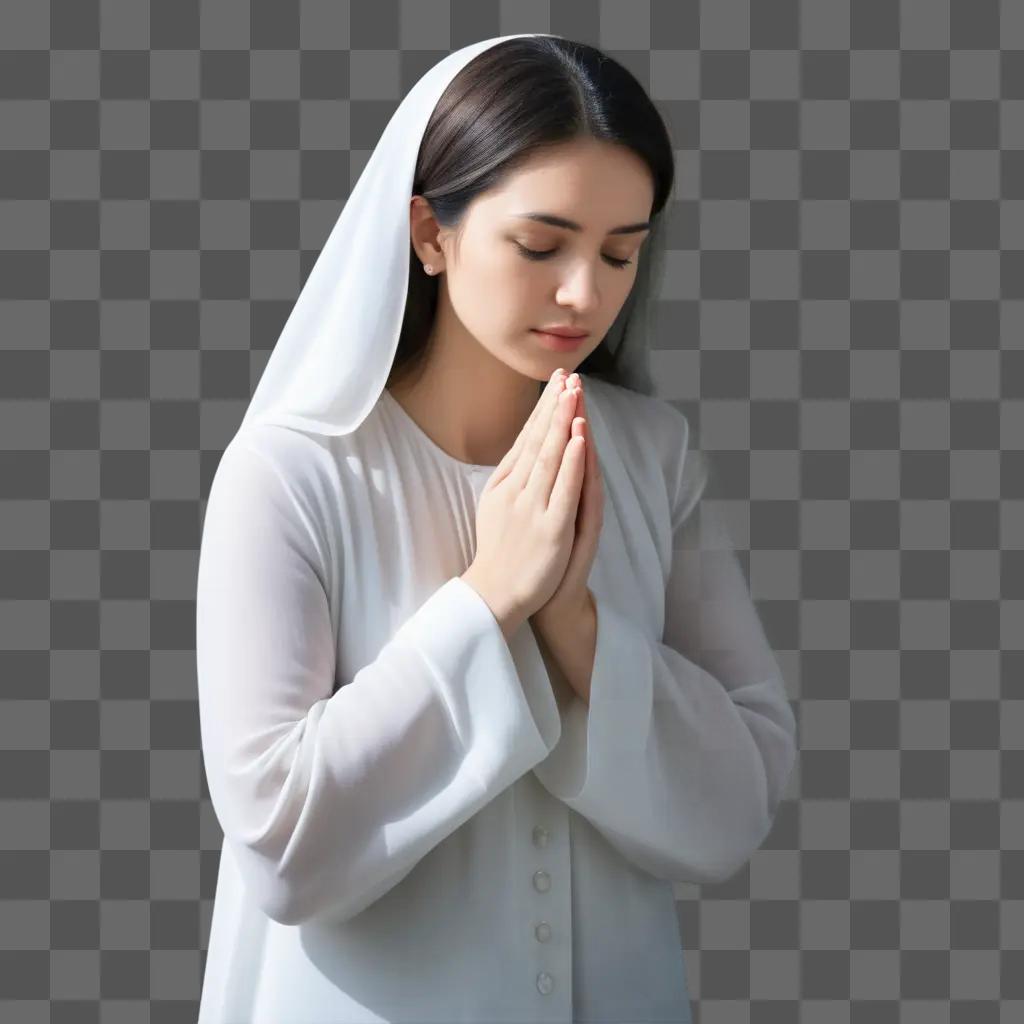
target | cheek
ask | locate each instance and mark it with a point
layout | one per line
(502, 276)
(493, 294)
(479, 273)
(514, 282)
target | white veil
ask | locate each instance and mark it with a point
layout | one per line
(335, 352)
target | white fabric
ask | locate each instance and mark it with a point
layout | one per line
(379, 756)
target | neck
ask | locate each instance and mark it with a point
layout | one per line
(466, 401)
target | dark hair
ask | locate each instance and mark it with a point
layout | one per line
(506, 104)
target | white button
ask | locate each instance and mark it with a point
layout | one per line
(545, 983)
(542, 931)
(540, 836)
(541, 881)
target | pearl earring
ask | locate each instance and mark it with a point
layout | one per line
(428, 268)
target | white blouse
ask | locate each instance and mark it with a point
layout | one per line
(422, 822)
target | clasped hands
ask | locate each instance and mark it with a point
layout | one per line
(567, 621)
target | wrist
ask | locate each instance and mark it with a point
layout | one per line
(563, 614)
(508, 617)
(569, 634)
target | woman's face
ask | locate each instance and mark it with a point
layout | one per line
(500, 294)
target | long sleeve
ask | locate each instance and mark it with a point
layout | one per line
(682, 758)
(328, 801)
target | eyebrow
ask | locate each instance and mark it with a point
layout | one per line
(563, 222)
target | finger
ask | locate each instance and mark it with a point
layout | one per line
(593, 484)
(531, 439)
(581, 411)
(592, 496)
(590, 479)
(556, 382)
(583, 509)
(548, 462)
(581, 416)
(595, 499)
(565, 493)
(591, 449)
(554, 387)
(542, 410)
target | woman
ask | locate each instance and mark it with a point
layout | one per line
(474, 694)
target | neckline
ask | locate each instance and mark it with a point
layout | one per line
(425, 439)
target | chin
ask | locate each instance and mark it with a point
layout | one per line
(539, 366)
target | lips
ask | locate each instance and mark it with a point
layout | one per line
(557, 342)
(562, 332)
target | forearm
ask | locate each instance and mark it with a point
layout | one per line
(571, 640)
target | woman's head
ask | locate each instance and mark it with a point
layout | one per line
(534, 125)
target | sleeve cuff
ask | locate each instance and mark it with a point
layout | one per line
(497, 692)
(582, 768)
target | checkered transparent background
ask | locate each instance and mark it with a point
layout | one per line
(842, 321)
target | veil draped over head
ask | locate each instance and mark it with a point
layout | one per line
(335, 352)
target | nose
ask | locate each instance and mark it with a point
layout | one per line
(579, 289)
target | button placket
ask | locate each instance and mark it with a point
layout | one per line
(542, 929)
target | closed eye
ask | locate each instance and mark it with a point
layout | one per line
(543, 254)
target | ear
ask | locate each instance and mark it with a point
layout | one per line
(424, 233)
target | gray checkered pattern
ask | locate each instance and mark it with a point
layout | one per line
(842, 321)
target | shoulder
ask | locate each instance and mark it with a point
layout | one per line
(274, 474)
(300, 460)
